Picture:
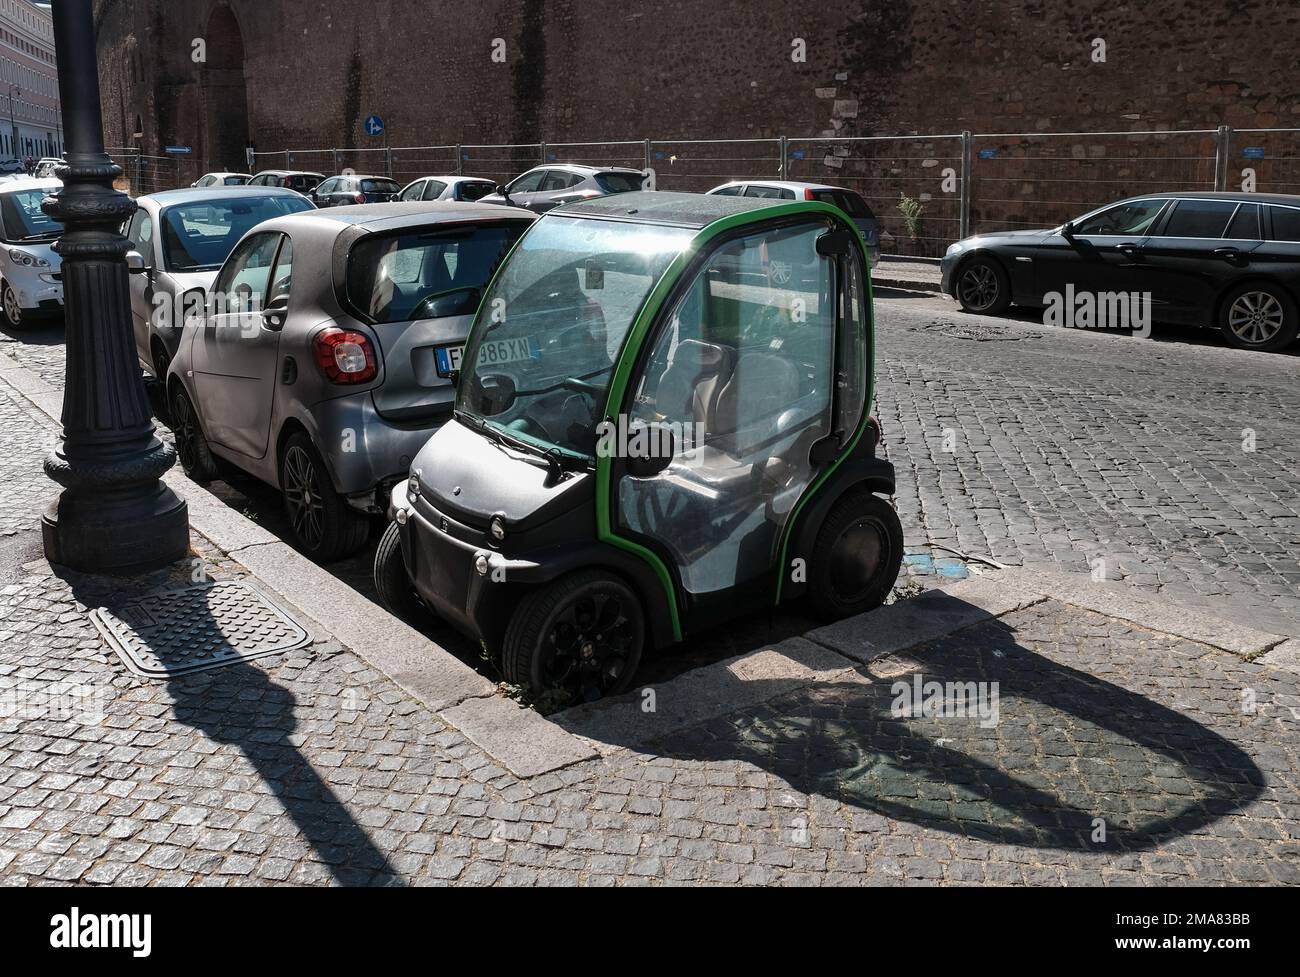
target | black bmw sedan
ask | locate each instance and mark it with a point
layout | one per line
(1230, 260)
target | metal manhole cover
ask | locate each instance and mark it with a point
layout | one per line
(175, 632)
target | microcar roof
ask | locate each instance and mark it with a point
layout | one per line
(661, 207)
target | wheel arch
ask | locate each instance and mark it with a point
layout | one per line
(1251, 278)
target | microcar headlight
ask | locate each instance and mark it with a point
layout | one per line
(19, 257)
(413, 484)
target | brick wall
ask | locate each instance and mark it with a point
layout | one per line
(628, 69)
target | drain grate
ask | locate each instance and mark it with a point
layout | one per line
(196, 628)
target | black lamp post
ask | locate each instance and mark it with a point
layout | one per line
(114, 515)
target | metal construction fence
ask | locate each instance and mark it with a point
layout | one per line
(927, 190)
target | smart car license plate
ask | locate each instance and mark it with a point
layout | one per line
(508, 351)
(446, 359)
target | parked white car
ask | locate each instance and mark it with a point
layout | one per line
(466, 188)
(31, 283)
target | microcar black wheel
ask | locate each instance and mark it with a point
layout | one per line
(983, 287)
(856, 557)
(392, 582)
(191, 444)
(1259, 316)
(321, 523)
(575, 640)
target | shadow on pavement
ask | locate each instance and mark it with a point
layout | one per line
(240, 705)
(1068, 748)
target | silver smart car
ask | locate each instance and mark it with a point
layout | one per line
(325, 354)
(179, 238)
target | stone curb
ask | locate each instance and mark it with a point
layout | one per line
(907, 284)
(526, 743)
(1115, 600)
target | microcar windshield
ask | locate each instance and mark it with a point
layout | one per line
(548, 332)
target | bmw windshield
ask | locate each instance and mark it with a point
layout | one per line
(547, 335)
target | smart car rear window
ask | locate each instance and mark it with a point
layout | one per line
(390, 276)
(379, 186)
(475, 191)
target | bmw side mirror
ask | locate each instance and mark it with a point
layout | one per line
(650, 449)
(1067, 230)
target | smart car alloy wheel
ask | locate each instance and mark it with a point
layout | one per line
(13, 311)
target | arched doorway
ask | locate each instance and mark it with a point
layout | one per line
(225, 98)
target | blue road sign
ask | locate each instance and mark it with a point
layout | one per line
(988, 154)
(1253, 152)
(178, 150)
(374, 125)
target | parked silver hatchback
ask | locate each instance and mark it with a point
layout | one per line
(326, 353)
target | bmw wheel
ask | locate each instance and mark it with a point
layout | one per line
(983, 287)
(1260, 316)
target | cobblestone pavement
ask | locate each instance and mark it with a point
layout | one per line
(1119, 756)
(312, 768)
(1063, 450)
(1170, 465)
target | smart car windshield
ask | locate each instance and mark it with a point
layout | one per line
(23, 219)
(200, 235)
(548, 332)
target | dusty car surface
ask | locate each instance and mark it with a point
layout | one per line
(325, 354)
(179, 238)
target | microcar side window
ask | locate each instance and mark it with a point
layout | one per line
(742, 373)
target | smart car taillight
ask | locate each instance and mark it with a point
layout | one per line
(345, 356)
(360, 198)
(808, 194)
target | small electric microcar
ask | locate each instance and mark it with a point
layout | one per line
(661, 423)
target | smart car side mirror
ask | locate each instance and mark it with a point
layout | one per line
(274, 314)
(650, 449)
(135, 263)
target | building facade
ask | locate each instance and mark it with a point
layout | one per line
(30, 124)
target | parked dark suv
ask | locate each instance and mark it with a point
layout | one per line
(1230, 260)
(301, 180)
(556, 184)
(340, 191)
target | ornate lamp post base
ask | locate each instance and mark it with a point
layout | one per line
(114, 514)
(99, 534)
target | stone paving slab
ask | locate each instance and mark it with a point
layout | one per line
(652, 712)
(929, 616)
